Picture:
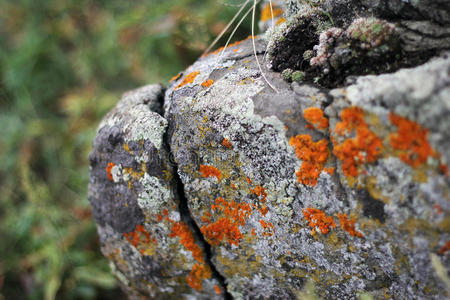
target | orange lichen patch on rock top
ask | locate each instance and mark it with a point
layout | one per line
(266, 12)
(259, 191)
(186, 236)
(210, 171)
(348, 225)
(229, 46)
(280, 21)
(108, 170)
(268, 228)
(197, 274)
(313, 155)
(140, 238)
(189, 78)
(411, 140)
(207, 83)
(319, 219)
(445, 248)
(227, 227)
(226, 143)
(365, 147)
(315, 116)
(175, 77)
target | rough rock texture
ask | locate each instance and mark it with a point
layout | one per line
(225, 187)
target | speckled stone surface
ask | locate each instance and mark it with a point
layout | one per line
(221, 186)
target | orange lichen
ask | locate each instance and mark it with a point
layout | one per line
(319, 219)
(226, 143)
(438, 209)
(227, 227)
(315, 116)
(259, 191)
(365, 147)
(207, 83)
(233, 186)
(210, 171)
(217, 289)
(280, 21)
(140, 238)
(411, 140)
(266, 12)
(189, 78)
(444, 169)
(198, 272)
(329, 170)
(313, 155)
(186, 236)
(348, 225)
(229, 46)
(253, 231)
(268, 228)
(248, 180)
(220, 230)
(175, 77)
(238, 212)
(264, 210)
(108, 170)
(445, 248)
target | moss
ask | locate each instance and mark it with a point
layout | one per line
(298, 76)
(287, 74)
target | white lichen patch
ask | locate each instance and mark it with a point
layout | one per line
(154, 196)
(116, 173)
(145, 125)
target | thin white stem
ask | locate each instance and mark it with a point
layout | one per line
(271, 13)
(226, 27)
(236, 28)
(254, 48)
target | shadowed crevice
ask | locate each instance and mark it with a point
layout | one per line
(187, 218)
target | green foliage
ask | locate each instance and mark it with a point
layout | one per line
(63, 65)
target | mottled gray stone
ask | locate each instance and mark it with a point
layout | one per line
(279, 200)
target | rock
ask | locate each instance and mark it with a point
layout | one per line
(144, 229)
(235, 185)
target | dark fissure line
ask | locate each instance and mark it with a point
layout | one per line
(186, 216)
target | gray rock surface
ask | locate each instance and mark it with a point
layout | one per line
(222, 186)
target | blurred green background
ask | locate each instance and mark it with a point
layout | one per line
(63, 65)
